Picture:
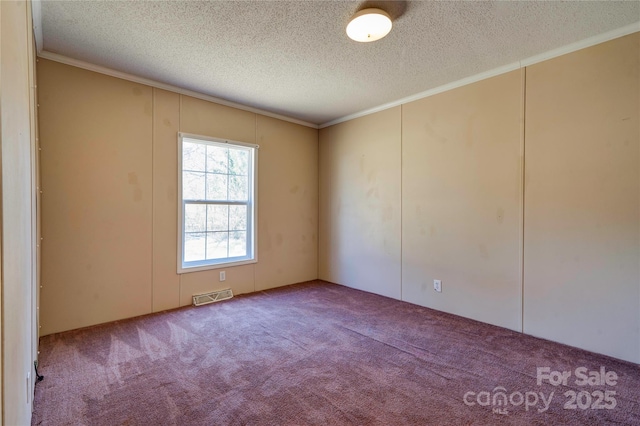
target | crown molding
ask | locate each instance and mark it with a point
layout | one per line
(588, 42)
(36, 16)
(148, 82)
(445, 87)
(582, 44)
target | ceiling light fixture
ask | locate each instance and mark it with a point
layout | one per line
(369, 25)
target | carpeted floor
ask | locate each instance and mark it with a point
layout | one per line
(321, 354)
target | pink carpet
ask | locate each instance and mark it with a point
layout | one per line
(323, 354)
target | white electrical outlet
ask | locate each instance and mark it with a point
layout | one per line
(223, 275)
(437, 285)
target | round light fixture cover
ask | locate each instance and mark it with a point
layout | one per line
(369, 25)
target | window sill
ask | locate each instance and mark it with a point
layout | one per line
(187, 270)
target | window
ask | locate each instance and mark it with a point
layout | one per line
(216, 217)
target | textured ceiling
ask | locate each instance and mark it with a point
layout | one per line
(294, 58)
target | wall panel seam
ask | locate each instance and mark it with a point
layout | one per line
(401, 197)
(2, 321)
(523, 112)
(178, 202)
(256, 208)
(153, 223)
(318, 205)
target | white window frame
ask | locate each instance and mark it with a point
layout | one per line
(252, 209)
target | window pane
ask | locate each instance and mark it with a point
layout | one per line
(238, 189)
(217, 159)
(215, 174)
(195, 218)
(237, 243)
(238, 162)
(194, 246)
(193, 186)
(193, 155)
(217, 218)
(217, 243)
(216, 187)
(237, 218)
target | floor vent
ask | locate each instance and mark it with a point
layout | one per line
(214, 296)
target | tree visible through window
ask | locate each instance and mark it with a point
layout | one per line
(217, 208)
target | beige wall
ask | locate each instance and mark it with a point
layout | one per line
(95, 133)
(582, 205)
(18, 214)
(461, 198)
(166, 122)
(109, 171)
(554, 253)
(360, 203)
(287, 204)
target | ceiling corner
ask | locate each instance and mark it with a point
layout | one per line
(36, 15)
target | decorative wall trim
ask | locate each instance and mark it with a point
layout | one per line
(588, 42)
(148, 82)
(36, 16)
